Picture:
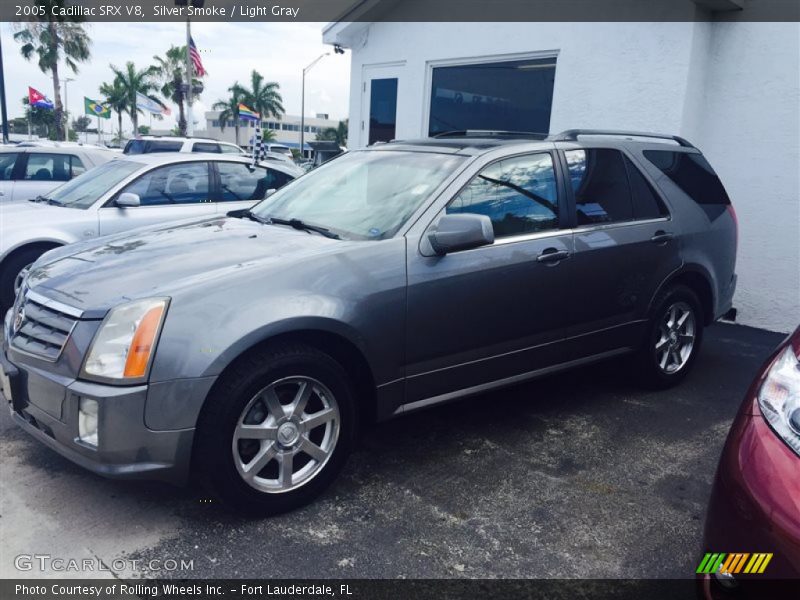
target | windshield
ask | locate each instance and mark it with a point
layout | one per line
(361, 195)
(86, 189)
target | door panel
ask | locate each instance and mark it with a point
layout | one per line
(619, 261)
(484, 314)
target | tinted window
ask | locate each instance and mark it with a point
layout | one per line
(238, 182)
(7, 160)
(692, 173)
(148, 146)
(509, 96)
(78, 167)
(382, 110)
(646, 203)
(50, 167)
(517, 194)
(205, 147)
(600, 183)
(183, 183)
(229, 149)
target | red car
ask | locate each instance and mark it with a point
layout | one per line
(755, 504)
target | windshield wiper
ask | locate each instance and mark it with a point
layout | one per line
(39, 199)
(298, 224)
(254, 217)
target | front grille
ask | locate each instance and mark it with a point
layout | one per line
(39, 328)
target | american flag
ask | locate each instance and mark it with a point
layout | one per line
(194, 54)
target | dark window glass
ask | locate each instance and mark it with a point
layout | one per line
(600, 183)
(149, 146)
(692, 173)
(382, 110)
(507, 96)
(517, 194)
(205, 147)
(646, 203)
(7, 160)
(48, 167)
(229, 149)
(238, 182)
(182, 183)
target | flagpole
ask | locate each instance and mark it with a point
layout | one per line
(189, 116)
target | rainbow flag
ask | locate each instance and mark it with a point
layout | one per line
(248, 114)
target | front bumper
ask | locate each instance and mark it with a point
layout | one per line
(126, 449)
(755, 506)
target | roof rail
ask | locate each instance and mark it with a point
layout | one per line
(489, 133)
(571, 135)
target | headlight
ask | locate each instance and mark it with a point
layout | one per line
(124, 344)
(779, 397)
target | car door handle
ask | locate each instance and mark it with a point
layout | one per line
(661, 237)
(551, 255)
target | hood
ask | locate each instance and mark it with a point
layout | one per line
(163, 261)
(24, 213)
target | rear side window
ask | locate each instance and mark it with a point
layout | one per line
(7, 160)
(52, 167)
(206, 147)
(609, 188)
(230, 149)
(150, 146)
(600, 183)
(181, 183)
(692, 173)
(239, 182)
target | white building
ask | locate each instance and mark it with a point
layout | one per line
(731, 87)
(287, 129)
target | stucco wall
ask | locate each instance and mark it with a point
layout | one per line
(731, 88)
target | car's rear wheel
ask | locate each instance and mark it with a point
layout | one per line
(674, 335)
(276, 430)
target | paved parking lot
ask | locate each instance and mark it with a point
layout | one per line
(578, 475)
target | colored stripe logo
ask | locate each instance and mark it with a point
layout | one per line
(733, 563)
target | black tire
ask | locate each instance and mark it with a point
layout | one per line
(12, 267)
(648, 360)
(213, 457)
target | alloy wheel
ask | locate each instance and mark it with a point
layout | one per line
(286, 434)
(676, 339)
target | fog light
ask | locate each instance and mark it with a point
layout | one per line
(87, 421)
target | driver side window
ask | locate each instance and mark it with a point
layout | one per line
(518, 194)
(182, 183)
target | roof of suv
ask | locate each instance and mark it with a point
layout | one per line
(476, 142)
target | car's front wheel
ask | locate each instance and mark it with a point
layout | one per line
(276, 430)
(674, 334)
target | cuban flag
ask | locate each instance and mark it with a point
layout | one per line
(39, 100)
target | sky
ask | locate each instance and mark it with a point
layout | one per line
(230, 51)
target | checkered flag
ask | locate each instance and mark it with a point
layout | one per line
(259, 148)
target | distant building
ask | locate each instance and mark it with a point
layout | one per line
(287, 130)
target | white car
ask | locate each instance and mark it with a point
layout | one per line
(148, 144)
(128, 193)
(31, 169)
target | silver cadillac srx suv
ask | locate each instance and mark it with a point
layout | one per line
(249, 348)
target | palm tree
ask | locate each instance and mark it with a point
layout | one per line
(336, 134)
(171, 72)
(230, 108)
(52, 39)
(114, 97)
(263, 96)
(133, 81)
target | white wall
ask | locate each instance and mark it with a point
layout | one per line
(731, 88)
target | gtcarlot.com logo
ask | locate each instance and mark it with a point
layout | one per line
(734, 563)
(48, 562)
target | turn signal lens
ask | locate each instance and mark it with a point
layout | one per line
(143, 341)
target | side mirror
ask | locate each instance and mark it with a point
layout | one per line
(127, 199)
(460, 232)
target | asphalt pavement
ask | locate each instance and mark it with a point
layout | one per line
(580, 474)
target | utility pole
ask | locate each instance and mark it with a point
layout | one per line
(3, 111)
(303, 105)
(66, 109)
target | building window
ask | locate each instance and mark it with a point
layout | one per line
(505, 96)
(215, 123)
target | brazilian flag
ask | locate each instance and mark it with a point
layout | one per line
(90, 107)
